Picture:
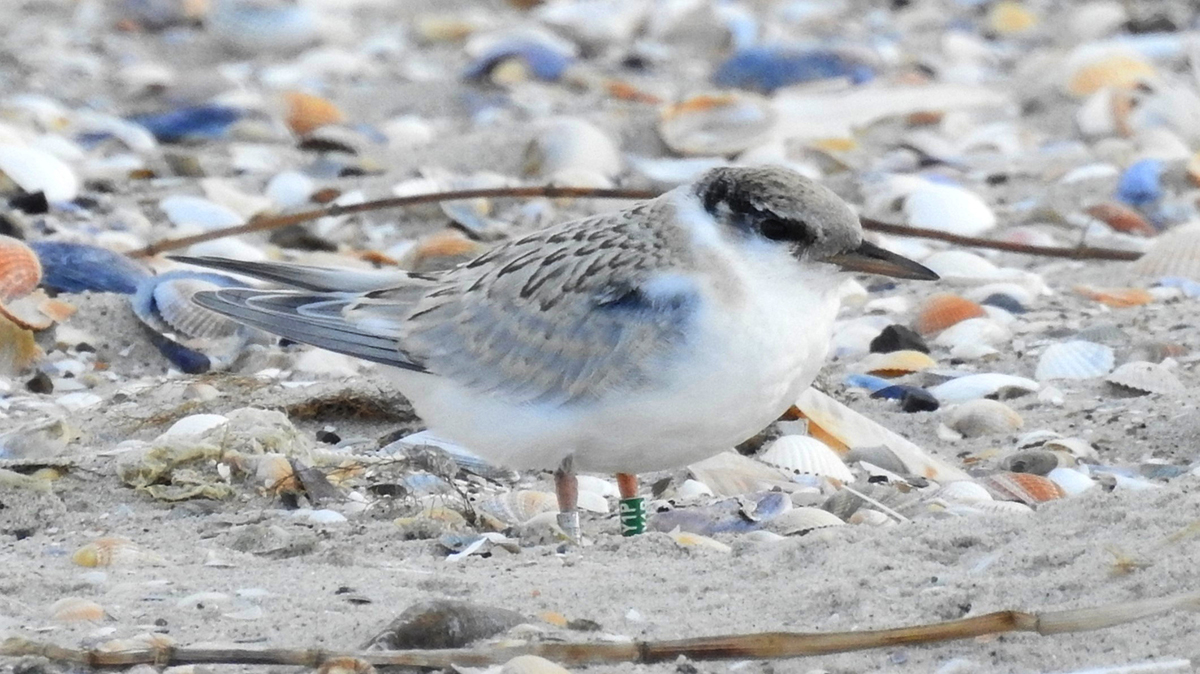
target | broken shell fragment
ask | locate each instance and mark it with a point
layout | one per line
(1034, 461)
(895, 363)
(531, 664)
(518, 507)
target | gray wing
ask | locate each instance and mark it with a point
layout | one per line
(562, 316)
(308, 277)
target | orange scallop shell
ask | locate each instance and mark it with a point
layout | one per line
(1121, 218)
(943, 310)
(307, 112)
(1027, 488)
(20, 269)
(1116, 297)
(1116, 70)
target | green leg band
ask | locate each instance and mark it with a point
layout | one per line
(633, 516)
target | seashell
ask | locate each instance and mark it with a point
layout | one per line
(1121, 218)
(731, 474)
(19, 349)
(1076, 447)
(36, 170)
(802, 454)
(687, 539)
(943, 310)
(191, 123)
(973, 332)
(898, 338)
(518, 507)
(839, 426)
(880, 457)
(769, 68)
(1141, 183)
(800, 521)
(597, 485)
(869, 382)
(76, 609)
(514, 60)
(737, 515)
(194, 425)
(972, 386)
(290, 189)
(531, 664)
(592, 502)
(444, 623)
(895, 363)
(20, 269)
(716, 123)
(948, 208)
(976, 418)
(964, 491)
(693, 490)
(1005, 301)
(1075, 359)
(1105, 333)
(1116, 297)
(1091, 71)
(252, 27)
(1072, 482)
(869, 517)
(76, 267)
(1145, 377)
(185, 210)
(427, 446)
(912, 398)
(277, 474)
(1174, 253)
(1034, 461)
(1005, 508)
(1024, 487)
(1011, 18)
(306, 112)
(673, 170)
(114, 551)
(571, 144)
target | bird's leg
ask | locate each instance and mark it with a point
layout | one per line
(566, 488)
(632, 509)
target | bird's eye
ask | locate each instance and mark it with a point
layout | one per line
(773, 229)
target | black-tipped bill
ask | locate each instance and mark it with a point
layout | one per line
(871, 259)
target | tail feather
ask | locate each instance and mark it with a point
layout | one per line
(305, 277)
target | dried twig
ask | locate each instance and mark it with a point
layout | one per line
(265, 224)
(762, 646)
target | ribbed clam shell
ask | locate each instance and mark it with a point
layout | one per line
(76, 609)
(1075, 359)
(974, 386)
(895, 363)
(1001, 508)
(716, 123)
(803, 520)
(20, 270)
(964, 491)
(976, 418)
(1146, 378)
(1071, 481)
(173, 298)
(114, 551)
(944, 310)
(518, 507)
(1024, 487)
(1034, 461)
(1176, 252)
(802, 454)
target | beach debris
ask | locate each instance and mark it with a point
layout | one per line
(719, 123)
(444, 623)
(1075, 359)
(192, 338)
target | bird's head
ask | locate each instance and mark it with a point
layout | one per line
(773, 206)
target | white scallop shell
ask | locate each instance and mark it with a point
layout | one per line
(974, 386)
(1176, 252)
(597, 485)
(36, 170)
(1146, 377)
(803, 454)
(692, 490)
(1076, 359)
(804, 519)
(976, 418)
(948, 208)
(185, 210)
(973, 332)
(518, 507)
(173, 298)
(592, 502)
(964, 491)
(1071, 481)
